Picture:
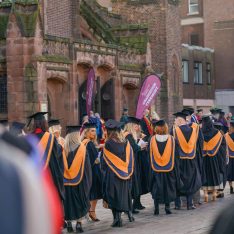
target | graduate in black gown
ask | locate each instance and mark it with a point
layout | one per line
(190, 141)
(214, 153)
(77, 179)
(50, 151)
(146, 125)
(230, 153)
(131, 130)
(89, 137)
(164, 157)
(117, 167)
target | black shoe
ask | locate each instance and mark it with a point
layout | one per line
(65, 224)
(140, 207)
(117, 221)
(167, 210)
(220, 195)
(156, 209)
(177, 208)
(191, 207)
(130, 217)
(79, 228)
(231, 190)
(69, 227)
(135, 211)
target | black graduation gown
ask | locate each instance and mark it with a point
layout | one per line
(214, 166)
(55, 167)
(165, 185)
(143, 159)
(230, 167)
(191, 169)
(96, 189)
(116, 192)
(144, 129)
(136, 182)
(77, 202)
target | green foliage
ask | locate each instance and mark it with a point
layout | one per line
(54, 59)
(27, 20)
(3, 25)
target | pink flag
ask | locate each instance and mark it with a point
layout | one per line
(89, 90)
(150, 88)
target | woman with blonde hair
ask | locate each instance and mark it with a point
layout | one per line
(77, 179)
(55, 129)
(131, 130)
(89, 138)
(117, 167)
(165, 180)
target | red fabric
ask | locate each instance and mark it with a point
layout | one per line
(149, 126)
(38, 130)
(54, 203)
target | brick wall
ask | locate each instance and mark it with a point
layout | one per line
(164, 36)
(58, 18)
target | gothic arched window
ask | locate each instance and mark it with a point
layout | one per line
(3, 93)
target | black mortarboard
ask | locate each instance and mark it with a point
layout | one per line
(113, 125)
(159, 123)
(215, 110)
(4, 122)
(189, 110)
(72, 128)
(38, 116)
(89, 125)
(206, 117)
(199, 110)
(125, 109)
(53, 122)
(17, 127)
(181, 114)
(134, 120)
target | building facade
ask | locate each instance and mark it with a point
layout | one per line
(210, 24)
(47, 48)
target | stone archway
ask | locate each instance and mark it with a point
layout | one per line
(130, 93)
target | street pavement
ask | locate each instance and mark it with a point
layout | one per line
(197, 221)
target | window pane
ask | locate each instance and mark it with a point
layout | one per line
(193, 2)
(185, 72)
(200, 73)
(3, 94)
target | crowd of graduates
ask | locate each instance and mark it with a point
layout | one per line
(113, 161)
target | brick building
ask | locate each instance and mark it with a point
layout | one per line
(210, 24)
(47, 48)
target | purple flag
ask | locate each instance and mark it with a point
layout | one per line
(89, 90)
(150, 88)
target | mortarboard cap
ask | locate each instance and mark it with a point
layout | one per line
(134, 120)
(17, 127)
(38, 116)
(199, 110)
(181, 114)
(54, 122)
(72, 128)
(159, 123)
(206, 117)
(125, 109)
(113, 125)
(4, 122)
(89, 125)
(189, 110)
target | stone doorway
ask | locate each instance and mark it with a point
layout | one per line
(56, 99)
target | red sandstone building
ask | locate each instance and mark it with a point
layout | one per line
(208, 24)
(47, 48)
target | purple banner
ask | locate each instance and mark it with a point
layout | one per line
(150, 88)
(89, 90)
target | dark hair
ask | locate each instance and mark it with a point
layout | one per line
(207, 125)
(42, 124)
